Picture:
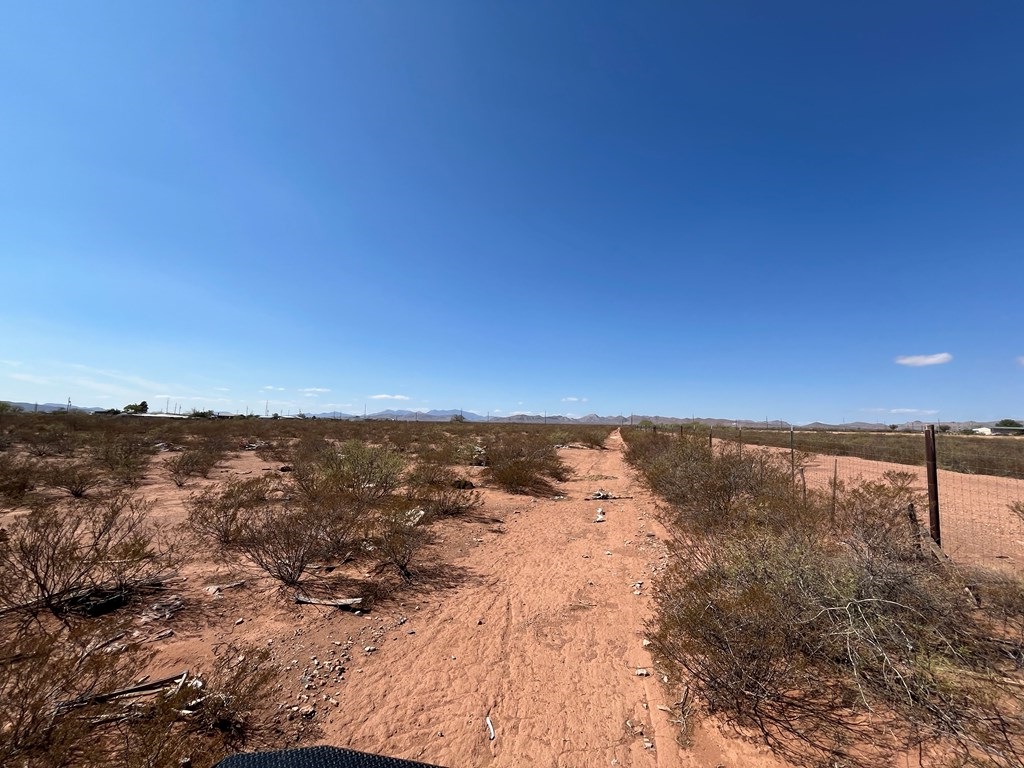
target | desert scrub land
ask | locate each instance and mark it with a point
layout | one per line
(178, 590)
(823, 623)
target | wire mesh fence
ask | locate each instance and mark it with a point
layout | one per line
(980, 481)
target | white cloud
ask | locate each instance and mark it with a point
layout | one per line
(1020, 360)
(390, 397)
(273, 389)
(919, 360)
(314, 390)
(570, 399)
(222, 389)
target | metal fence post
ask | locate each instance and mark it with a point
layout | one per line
(933, 484)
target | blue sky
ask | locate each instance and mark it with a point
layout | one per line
(728, 209)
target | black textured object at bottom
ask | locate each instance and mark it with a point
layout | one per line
(316, 757)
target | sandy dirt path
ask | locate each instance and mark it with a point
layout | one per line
(544, 635)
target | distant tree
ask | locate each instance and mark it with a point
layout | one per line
(6, 407)
(142, 407)
(458, 417)
(894, 427)
(1009, 423)
(944, 428)
(201, 414)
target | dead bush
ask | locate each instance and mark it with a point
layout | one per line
(59, 705)
(40, 672)
(440, 491)
(62, 559)
(216, 513)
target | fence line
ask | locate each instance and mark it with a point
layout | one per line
(978, 489)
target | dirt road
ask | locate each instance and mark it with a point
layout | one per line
(543, 635)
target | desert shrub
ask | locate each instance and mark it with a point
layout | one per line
(40, 671)
(56, 711)
(18, 477)
(337, 524)
(217, 512)
(77, 478)
(448, 450)
(367, 474)
(440, 491)
(835, 637)
(184, 465)
(195, 461)
(719, 486)
(819, 646)
(49, 440)
(399, 538)
(281, 541)
(592, 436)
(524, 463)
(125, 456)
(214, 714)
(60, 559)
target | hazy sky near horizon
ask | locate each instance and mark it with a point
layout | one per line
(793, 210)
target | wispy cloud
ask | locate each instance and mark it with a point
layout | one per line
(129, 379)
(575, 399)
(902, 411)
(222, 389)
(1020, 360)
(390, 397)
(28, 378)
(337, 405)
(270, 388)
(12, 363)
(919, 360)
(313, 390)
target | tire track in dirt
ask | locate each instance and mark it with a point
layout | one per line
(543, 635)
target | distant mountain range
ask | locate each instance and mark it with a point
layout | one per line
(590, 418)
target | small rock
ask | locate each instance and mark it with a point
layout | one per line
(642, 672)
(370, 648)
(308, 711)
(239, 621)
